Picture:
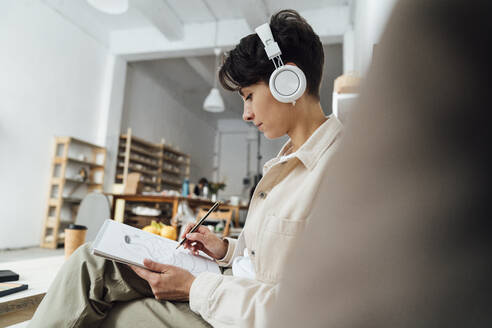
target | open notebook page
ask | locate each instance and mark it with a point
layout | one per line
(129, 245)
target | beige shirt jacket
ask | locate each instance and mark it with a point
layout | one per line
(278, 213)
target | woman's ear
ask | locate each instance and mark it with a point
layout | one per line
(290, 63)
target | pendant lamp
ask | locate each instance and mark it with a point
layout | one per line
(214, 102)
(112, 7)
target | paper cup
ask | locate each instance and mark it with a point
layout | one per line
(74, 237)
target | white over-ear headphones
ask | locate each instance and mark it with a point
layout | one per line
(287, 82)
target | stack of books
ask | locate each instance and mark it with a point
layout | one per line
(7, 287)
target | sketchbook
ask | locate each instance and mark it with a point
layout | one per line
(125, 244)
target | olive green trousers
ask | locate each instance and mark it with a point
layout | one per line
(90, 291)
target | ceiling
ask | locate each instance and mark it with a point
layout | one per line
(179, 75)
(173, 40)
(159, 26)
(187, 11)
(194, 11)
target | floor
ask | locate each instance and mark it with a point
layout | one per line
(27, 253)
(37, 267)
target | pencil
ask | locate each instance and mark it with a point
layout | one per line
(199, 222)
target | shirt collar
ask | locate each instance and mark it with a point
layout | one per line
(310, 152)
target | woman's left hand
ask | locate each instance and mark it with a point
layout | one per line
(166, 281)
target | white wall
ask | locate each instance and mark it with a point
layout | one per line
(332, 69)
(50, 85)
(371, 17)
(113, 95)
(154, 111)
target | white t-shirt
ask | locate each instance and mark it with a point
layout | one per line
(243, 267)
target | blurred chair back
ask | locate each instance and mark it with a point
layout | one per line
(218, 215)
(93, 210)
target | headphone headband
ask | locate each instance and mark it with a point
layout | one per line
(271, 47)
(288, 82)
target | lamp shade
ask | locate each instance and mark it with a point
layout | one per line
(113, 7)
(214, 103)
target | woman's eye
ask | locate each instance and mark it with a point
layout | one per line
(249, 96)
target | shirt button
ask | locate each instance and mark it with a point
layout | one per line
(262, 194)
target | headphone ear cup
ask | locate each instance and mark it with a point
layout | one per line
(287, 83)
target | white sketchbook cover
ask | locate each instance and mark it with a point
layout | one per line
(125, 244)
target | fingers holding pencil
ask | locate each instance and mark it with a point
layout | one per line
(205, 240)
(215, 206)
(190, 241)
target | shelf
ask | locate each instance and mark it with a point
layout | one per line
(59, 160)
(171, 150)
(143, 151)
(142, 142)
(171, 172)
(60, 239)
(165, 166)
(80, 142)
(54, 201)
(120, 177)
(64, 181)
(141, 161)
(94, 165)
(51, 222)
(169, 159)
(83, 182)
(153, 145)
(85, 143)
(72, 200)
(131, 169)
(164, 181)
(70, 180)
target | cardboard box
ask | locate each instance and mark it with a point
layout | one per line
(347, 83)
(133, 185)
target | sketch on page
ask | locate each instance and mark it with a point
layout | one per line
(121, 241)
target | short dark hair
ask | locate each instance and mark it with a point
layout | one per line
(248, 63)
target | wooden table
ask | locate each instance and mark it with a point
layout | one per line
(38, 275)
(174, 200)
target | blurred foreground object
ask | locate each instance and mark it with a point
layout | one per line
(402, 236)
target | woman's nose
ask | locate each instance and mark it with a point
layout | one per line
(247, 113)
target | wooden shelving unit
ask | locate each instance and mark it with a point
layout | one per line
(162, 166)
(67, 187)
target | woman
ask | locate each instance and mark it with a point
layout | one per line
(117, 296)
(200, 189)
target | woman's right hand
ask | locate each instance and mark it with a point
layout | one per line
(206, 241)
